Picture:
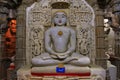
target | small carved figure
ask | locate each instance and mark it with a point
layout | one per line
(10, 38)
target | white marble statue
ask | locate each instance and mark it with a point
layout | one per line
(60, 45)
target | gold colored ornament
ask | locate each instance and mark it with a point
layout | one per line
(60, 33)
(61, 65)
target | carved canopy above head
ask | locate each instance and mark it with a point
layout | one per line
(79, 10)
(60, 4)
(80, 15)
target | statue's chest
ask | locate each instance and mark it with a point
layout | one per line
(60, 33)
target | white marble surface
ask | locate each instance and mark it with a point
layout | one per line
(112, 71)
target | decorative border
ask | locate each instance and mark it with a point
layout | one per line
(61, 74)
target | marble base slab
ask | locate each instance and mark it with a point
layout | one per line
(59, 78)
(68, 69)
(97, 73)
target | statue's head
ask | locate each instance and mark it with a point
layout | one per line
(60, 18)
(12, 25)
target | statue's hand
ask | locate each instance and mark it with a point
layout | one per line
(62, 55)
(54, 56)
(59, 55)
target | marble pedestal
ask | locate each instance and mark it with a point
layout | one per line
(81, 73)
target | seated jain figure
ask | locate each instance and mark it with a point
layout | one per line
(60, 45)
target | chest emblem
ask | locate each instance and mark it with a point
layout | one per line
(60, 33)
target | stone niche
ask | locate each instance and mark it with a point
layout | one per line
(80, 18)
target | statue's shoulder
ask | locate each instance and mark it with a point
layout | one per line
(50, 29)
(72, 30)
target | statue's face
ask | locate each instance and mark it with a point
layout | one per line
(60, 18)
(13, 26)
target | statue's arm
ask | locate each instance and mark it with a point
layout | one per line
(72, 43)
(48, 43)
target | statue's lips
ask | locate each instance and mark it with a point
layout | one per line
(60, 21)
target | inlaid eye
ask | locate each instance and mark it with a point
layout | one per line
(57, 17)
(63, 16)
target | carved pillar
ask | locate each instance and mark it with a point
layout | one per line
(100, 42)
(21, 32)
(20, 49)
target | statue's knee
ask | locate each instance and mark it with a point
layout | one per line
(35, 61)
(84, 60)
(87, 60)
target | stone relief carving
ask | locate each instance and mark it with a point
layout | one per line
(82, 16)
(37, 18)
(35, 41)
(83, 38)
(82, 12)
(36, 38)
(45, 3)
(40, 15)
